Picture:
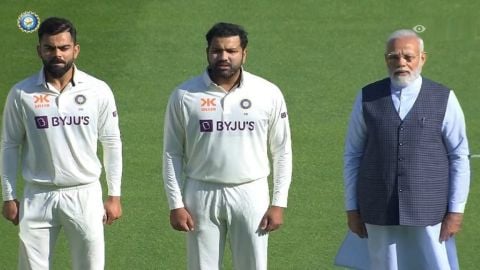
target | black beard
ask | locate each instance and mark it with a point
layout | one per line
(55, 71)
(216, 72)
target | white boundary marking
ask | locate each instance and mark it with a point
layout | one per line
(475, 156)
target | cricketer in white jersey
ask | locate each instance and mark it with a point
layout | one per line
(216, 141)
(54, 132)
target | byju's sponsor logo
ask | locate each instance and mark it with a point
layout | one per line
(210, 125)
(43, 122)
(206, 125)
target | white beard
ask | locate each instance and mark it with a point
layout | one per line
(404, 81)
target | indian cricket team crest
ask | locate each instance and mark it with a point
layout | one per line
(28, 22)
(245, 103)
(80, 99)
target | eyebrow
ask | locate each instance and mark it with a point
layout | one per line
(405, 52)
(54, 47)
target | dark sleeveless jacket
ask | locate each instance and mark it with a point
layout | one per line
(404, 172)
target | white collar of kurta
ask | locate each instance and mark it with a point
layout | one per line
(404, 98)
(78, 76)
(208, 82)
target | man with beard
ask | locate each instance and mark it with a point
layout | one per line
(406, 170)
(52, 122)
(218, 129)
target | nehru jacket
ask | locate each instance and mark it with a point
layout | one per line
(404, 173)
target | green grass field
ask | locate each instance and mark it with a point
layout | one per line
(318, 52)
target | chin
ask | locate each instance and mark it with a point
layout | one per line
(401, 81)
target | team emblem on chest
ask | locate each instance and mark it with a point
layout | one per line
(80, 99)
(245, 103)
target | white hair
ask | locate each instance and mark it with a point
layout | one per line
(405, 33)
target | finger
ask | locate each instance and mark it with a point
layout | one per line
(190, 224)
(16, 220)
(359, 230)
(179, 226)
(272, 228)
(363, 231)
(444, 235)
(113, 218)
(183, 227)
(263, 224)
(109, 220)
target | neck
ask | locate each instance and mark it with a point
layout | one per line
(226, 83)
(61, 82)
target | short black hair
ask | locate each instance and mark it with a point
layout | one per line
(223, 29)
(54, 25)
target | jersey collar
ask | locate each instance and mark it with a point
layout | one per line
(78, 77)
(209, 83)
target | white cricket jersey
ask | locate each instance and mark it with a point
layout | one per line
(56, 134)
(223, 137)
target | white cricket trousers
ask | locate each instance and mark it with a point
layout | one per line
(45, 210)
(219, 210)
(410, 248)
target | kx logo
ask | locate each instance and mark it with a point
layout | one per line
(41, 101)
(208, 104)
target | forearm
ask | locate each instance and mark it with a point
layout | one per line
(282, 178)
(455, 137)
(354, 147)
(459, 183)
(172, 179)
(9, 167)
(112, 159)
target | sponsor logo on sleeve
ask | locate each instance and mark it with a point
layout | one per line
(283, 115)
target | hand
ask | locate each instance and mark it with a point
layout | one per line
(272, 220)
(11, 211)
(113, 209)
(181, 220)
(451, 225)
(356, 224)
